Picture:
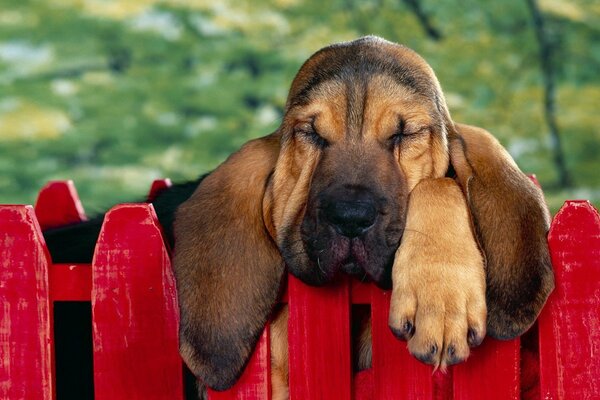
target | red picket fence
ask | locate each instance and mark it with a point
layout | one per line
(134, 307)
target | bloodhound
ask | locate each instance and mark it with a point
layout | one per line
(367, 175)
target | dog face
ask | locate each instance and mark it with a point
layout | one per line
(363, 126)
(365, 122)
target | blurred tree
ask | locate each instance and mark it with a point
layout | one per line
(547, 61)
(424, 19)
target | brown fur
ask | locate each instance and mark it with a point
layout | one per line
(222, 220)
(511, 221)
(364, 118)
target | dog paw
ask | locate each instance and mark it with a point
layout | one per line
(438, 299)
(440, 310)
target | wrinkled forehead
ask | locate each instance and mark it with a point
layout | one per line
(356, 65)
(377, 103)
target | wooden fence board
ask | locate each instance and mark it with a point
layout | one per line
(58, 204)
(158, 185)
(569, 327)
(319, 341)
(25, 323)
(134, 309)
(397, 374)
(490, 373)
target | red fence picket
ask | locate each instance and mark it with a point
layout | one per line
(158, 186)
(58, 204)
(319, 339)
(491, 373)
(25, 326)
(134, 309)
(569, 327)
(135, 319)
(397, 375)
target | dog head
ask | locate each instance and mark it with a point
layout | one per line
(365, 121)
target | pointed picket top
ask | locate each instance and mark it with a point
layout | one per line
(158, 186)
(570, 323)
(134, 309)
(58, 204)
(574, 217)
(25, 336)
(534, 179)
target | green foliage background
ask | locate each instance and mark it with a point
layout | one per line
(113, 94)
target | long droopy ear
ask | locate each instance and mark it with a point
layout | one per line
(228, 270)
(511, 220)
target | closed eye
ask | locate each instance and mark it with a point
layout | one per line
(406, 131)
(397, 137)
(308, 132)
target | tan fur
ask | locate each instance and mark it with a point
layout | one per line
(362, 344)
(424, 155)
(438, 275)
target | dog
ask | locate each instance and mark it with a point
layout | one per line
(367, 175)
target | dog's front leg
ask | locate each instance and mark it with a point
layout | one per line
(438, 299)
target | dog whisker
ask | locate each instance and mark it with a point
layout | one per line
(416, 231)
(320, 268)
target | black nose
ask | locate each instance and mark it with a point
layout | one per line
(350, 218)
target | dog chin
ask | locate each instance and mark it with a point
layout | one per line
(310, 272)
(341, 255)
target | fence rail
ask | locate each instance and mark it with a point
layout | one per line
(134, 320)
